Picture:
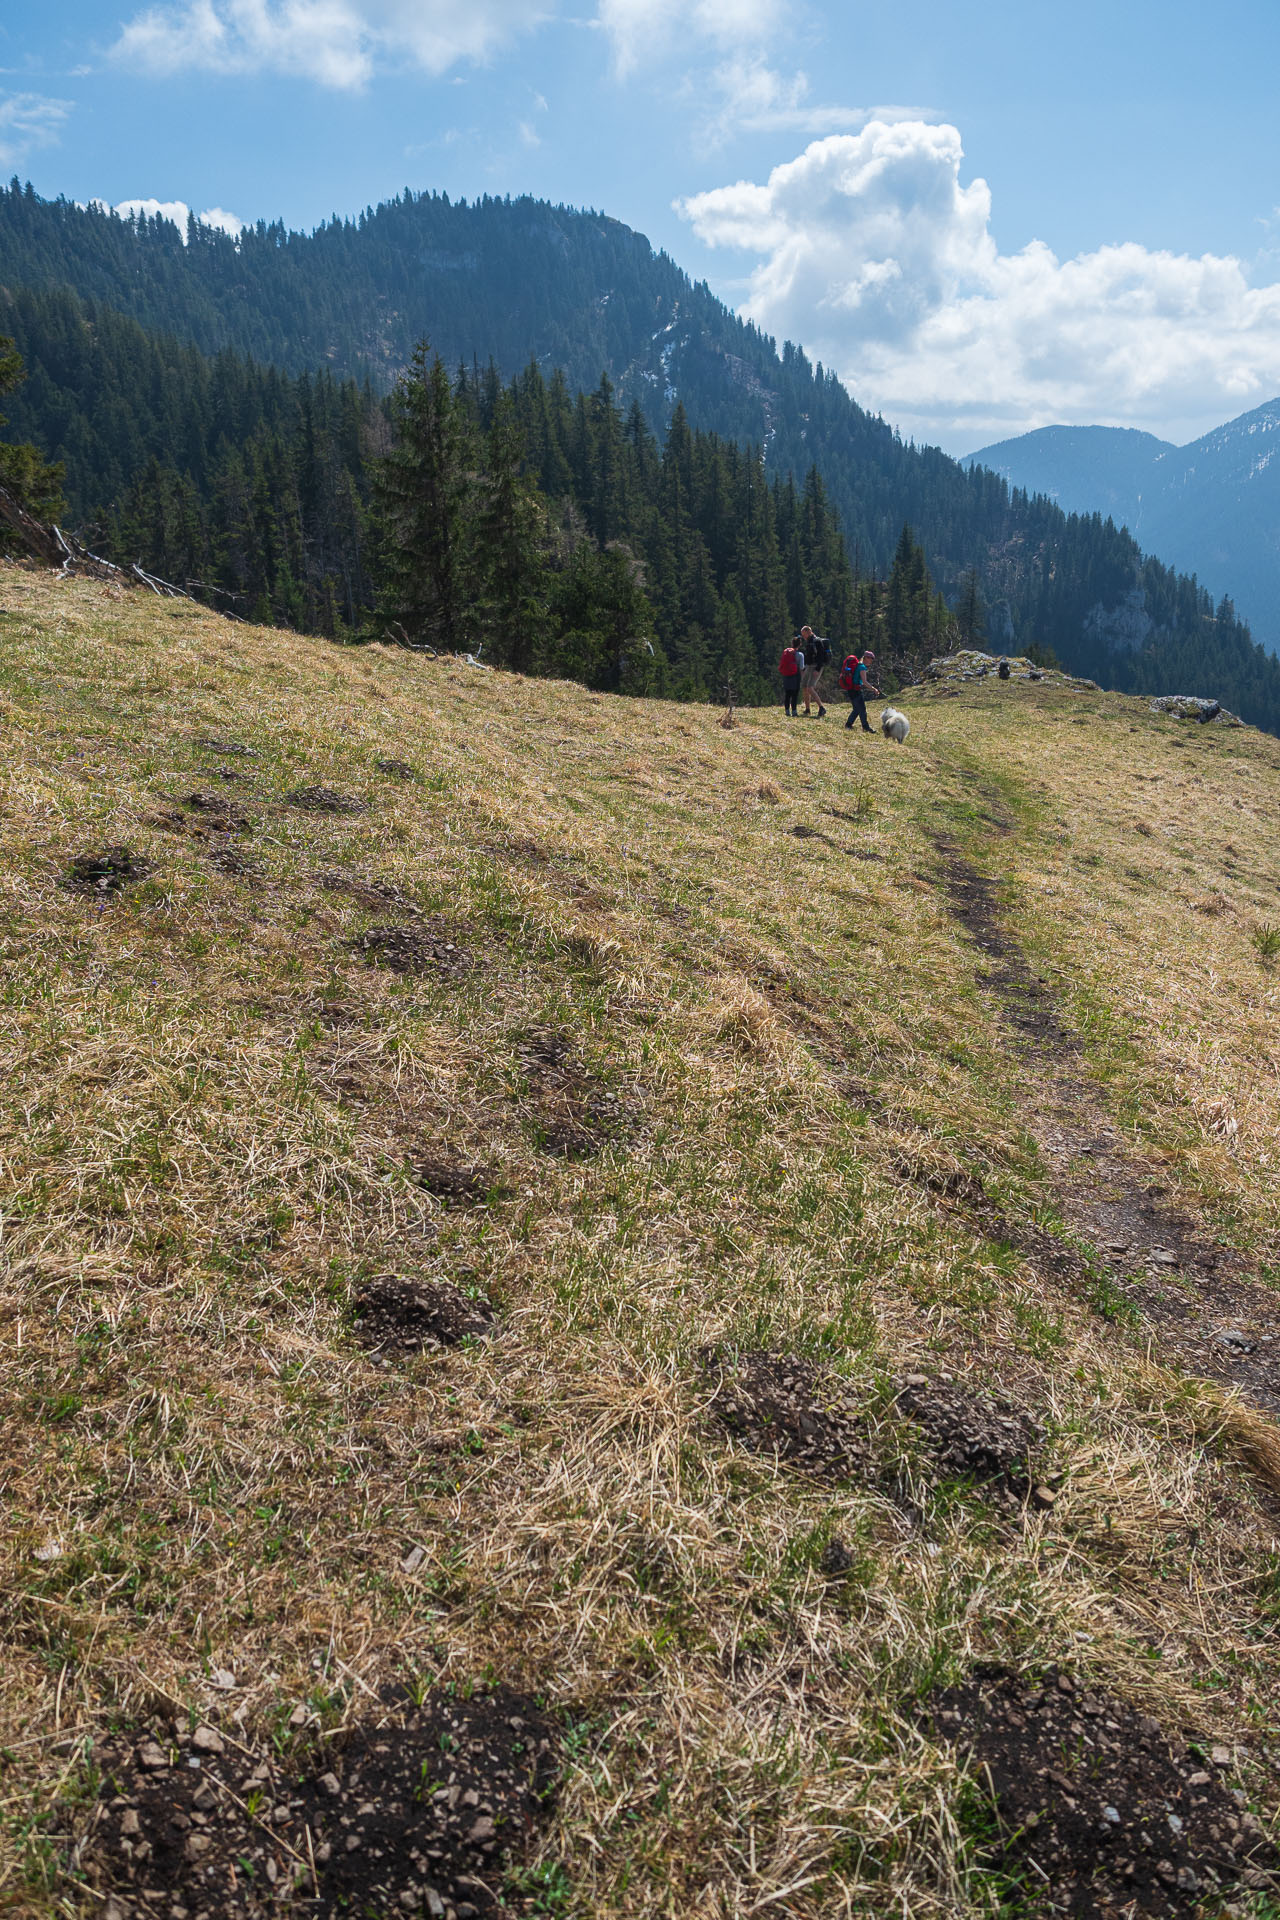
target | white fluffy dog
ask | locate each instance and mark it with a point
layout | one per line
(894, 725)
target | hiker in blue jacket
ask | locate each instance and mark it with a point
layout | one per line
(855, 679)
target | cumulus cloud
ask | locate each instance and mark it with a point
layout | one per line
(336, 42)
(873, 254)
(27, 121)
(178, 211)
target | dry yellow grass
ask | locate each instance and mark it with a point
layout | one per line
(213, 1106)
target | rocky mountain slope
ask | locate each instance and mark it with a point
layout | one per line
(609, 1314)
(1212, 507)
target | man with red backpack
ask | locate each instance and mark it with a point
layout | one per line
(854, 678)
(791, 667)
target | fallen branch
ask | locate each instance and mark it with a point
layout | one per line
(34, 535)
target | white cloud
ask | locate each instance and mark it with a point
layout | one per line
(746, 95)
(29, 120)
(338, 43)
(342, 43)
(176, 210)
(643, 30)
(875, 256)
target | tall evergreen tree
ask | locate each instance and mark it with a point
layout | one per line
(421, 491)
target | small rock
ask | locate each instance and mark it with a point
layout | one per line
(435, 1905)
(299, 1717)
(152, 1757)
(329, 1783)
(197, 1843)
(1188, 1879)
(1199, 1779)
(1112, 1816)
(1163, 1255)
(223, 1679)
(413, 1560)
(481, 1829)
(1220, 1756)
(48, 1550)
(1044, 1497)
(208, 1740)
(129, 1823)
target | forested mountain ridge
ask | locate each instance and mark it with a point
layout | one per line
(1212, 506)
(515, 280)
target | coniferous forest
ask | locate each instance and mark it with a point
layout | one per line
(226, 413)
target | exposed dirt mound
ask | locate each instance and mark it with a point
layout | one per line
(974, 1432)
(403, 1316)
(416, 1816)
(574, 1115)
(210, 743)
(397, 769)
(432, 947)
(453, 1180)
(781, 1403)
(370, 893)
(220, 815)
(1099, 1812)
(325, 800)
(231, 860)
(106, 872)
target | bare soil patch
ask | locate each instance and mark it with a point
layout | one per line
(453, 1180)
(431, 947)
(211, 743)
(574, 1115)
(107, 872)
(782, 1404)
(973, 1432)
(404, 1316)
(418, 1814)
(325, 800)
(370, 893)
(397, 769)
(230, 860)
(1098, 1811)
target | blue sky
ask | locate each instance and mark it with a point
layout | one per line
(986, 217)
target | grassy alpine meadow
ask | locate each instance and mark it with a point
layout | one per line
(512, 1194)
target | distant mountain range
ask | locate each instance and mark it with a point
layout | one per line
(1212, 508)
(136, 338)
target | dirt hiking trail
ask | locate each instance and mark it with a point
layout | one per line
(1197, 1300)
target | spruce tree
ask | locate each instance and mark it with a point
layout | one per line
(422, 494)
(511, 574)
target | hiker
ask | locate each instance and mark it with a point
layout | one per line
(854, 679)
(791, 667)
(817, 653)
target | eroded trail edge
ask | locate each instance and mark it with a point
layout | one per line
(1197, 1298)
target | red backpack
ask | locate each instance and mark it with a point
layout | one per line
(850, 673)
(787, 666)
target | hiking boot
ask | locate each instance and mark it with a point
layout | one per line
(822, 713)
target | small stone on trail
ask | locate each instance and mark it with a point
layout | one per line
(1163, 1255)
(299, 1717)
(413, 1560)
(1220, 1756)
(223, 1679)
(1044, 1497)
(152, 1757)
(208, 1740)
(330, 1784)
